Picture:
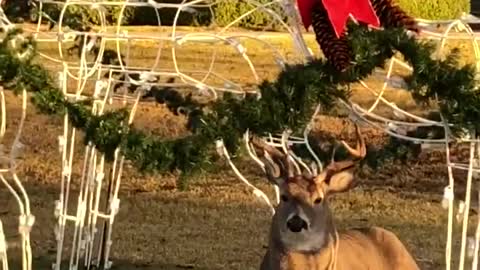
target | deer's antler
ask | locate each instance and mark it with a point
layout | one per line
(358, 153)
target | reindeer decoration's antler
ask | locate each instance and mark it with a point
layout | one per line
(279, 167)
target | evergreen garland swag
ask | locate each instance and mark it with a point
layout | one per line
(285, 103)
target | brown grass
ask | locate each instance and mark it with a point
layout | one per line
(217, 223)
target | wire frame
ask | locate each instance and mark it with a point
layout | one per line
(9, 158)
(86, 248)
(453, 30)
(89, 245)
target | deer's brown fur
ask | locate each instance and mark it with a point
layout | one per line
(365, 248)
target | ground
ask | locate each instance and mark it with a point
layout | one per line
(217, 223)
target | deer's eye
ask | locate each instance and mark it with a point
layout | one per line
(318, 200)
(284, 198)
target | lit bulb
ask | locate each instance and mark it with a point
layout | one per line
(3, 242)
(60, 78)
(99, 86)
(237, 45)
(219, 147)
(189, 10)
(258, 193)
(61, 143)
(448, 196)
(115, 206)
(392, 127)
(470, 247)
(280, 62)
(396, 82)
(461, 210)
(57, 209)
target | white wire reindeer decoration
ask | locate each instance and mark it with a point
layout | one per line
(93, 175)
(10, 179)
(8, 168)
(84, 248)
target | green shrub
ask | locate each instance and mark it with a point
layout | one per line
(16, 10)
(113, 14)
(77, 15)
(229, 10)
(148, 16)
(224, 12)
(435, 9)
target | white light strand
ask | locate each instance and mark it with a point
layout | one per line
(256, 191)
(88, 211)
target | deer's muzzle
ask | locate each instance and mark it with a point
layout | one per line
(296, 224)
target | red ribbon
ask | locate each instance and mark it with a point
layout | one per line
(339, 12)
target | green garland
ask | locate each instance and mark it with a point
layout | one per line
(285, 103)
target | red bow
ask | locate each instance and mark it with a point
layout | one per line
(339, 11)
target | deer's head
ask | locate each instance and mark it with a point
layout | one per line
(303, 221)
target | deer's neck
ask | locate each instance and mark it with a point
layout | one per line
(323, 259)
(317, 243)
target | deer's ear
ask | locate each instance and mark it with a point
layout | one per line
(340, 182)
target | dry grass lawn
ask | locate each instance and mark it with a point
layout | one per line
(217, 223)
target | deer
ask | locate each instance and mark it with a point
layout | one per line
(303, 235)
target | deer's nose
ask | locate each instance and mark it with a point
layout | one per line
(296, 224)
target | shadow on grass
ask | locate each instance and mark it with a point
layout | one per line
(219, 227)
(46, 263)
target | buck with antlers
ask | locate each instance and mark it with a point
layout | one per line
(303, 234)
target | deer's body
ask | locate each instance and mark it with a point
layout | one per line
(303, 235)
(360, 249)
